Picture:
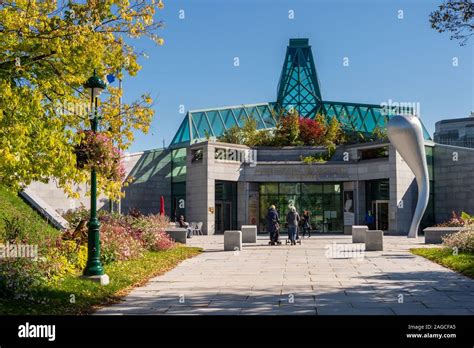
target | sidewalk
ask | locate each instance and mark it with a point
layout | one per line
(268, 280)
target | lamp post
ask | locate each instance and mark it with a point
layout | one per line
(94, 269)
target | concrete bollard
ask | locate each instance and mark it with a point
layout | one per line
(249, 233)
(374, 240)
(232, 240)
(358, 233)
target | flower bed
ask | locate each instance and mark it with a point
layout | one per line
(123, 238)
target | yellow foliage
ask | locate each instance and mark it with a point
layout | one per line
(48, 49)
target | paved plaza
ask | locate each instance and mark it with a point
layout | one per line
(302, 279)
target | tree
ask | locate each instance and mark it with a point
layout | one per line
(48, 49)
(333, 132)
(455, 16)
(287, 129)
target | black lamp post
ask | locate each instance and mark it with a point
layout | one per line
(94, 86)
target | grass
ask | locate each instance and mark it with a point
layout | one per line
(89, 295)
(29, 222)
(462, 263)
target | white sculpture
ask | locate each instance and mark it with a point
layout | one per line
(406, 134)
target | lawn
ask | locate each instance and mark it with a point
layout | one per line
(13, 210)
(462, 263)
(74, 295)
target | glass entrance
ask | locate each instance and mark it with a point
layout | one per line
(225, 206)
(223, 216)
(381, 215)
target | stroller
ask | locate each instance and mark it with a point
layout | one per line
(275, 237)
(298, 239)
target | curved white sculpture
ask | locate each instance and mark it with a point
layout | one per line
(406, 134)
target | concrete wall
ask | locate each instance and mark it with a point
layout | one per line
(453, 181)
(55, 197)
(150, 171)
(151, 179)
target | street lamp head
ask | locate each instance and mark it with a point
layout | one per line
(95, 85)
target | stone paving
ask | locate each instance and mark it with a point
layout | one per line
(301, 279)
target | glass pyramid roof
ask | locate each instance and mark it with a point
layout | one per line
(298, 88)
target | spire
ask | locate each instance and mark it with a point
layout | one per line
(299, 84)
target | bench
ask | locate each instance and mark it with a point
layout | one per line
(373, 240)
(358, 233)
(177, 234)
(434, 235)
(249, 233)
(232, 240)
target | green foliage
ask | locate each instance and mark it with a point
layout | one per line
(21, 277)
(462, 262)
(320, 158)
(288, 130)
(333, 132)
(48, 49)
(75, 216)
(456, 17)
(248, 134)
(54, 299)
(18, 221)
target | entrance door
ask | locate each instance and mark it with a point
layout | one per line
(223, 216)
(381, 215)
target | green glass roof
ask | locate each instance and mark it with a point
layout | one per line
(298, 88)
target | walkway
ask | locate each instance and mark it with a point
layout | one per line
(267, 280)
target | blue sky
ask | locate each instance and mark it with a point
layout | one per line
(389, 58)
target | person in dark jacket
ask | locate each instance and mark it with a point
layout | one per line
(306, 223)
(293, 219)
(273, 224)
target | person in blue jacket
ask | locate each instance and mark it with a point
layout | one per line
(273, 225)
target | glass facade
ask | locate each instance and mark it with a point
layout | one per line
(225, 206)
(178, 182)
(322, 200)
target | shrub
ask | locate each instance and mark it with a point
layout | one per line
(462, 240)
(75, 216)
(152, 235)
(311, 132)
(118, 244)
(21, 277)
(287, 130)
(457, 220)
(334, 132)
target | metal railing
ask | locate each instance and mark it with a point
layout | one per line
(462, 143)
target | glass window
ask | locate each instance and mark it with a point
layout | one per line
(269, 188)
(290, 188)
(332, 188)
(307, 188)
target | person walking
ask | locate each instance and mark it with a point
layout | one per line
(293, 219)
(306, 223)
(273, 225)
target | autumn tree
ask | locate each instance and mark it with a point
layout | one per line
(48, 49)
(456, 17)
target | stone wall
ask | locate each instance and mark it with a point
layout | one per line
(453, 181)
